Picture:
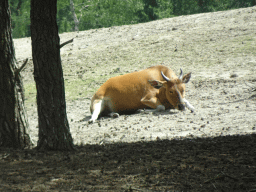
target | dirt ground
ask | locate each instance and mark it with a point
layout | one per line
(212, 149)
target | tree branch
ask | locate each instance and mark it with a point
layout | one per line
(17, 71)
(65, 43)
(81, 12)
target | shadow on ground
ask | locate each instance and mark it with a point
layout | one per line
(225, 163)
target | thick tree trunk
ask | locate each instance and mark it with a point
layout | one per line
(54, 130)
(13, 120)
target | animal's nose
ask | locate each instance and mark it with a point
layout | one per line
(181, 107)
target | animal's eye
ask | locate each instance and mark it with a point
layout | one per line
(171, 92)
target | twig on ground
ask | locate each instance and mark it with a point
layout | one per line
(130, 188)
(253, 88)
(220, 176)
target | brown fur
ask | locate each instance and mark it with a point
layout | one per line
(135, 90)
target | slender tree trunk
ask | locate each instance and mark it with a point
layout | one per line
(74, 15)
(54, 130)
(13, 120)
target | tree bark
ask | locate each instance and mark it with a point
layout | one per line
(54, 133)
(13, 119)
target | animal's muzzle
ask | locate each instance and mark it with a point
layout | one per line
(181, 107)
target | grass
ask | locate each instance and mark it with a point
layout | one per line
(247, 45)
(30, 92)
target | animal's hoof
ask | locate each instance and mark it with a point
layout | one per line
(90, 121)
(193, 111)
(114, 115)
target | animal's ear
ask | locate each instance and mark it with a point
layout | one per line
(156, 84)
(186, 78)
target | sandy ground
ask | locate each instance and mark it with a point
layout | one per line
(218, 48)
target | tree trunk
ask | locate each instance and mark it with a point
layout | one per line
(13, 119)
(74, 15)
(54, 130)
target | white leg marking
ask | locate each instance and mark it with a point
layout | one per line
(157, 109)
(96, 112)
(160, 108)
(188, 105)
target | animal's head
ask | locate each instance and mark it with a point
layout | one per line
(174, 89)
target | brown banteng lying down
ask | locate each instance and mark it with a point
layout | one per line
(156, 87)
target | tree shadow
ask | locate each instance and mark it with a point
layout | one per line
(224, 163)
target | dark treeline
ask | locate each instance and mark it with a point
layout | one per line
(93, 14)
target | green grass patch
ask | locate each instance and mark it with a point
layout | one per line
(30, 92)
(247, 45)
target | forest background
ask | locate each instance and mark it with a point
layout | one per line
(93, 14)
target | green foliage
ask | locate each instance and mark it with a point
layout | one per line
(164, 9)
(106, 13)
(20, 13)
(64, 17)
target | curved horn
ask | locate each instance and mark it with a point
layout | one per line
(165, 78)
(181, 74)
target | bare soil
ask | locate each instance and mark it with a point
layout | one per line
(212, 149)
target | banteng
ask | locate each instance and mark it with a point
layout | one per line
(156, 87)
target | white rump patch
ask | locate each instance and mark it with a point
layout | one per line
(97, 109)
